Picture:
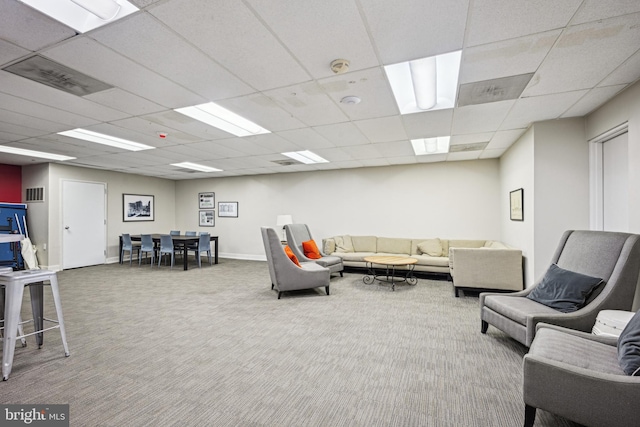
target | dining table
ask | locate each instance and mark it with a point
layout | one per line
(180, 241)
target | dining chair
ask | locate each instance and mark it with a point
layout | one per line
(128, 245)
(190, 233)
(166, 247)
(146, 245)
(174, 232)
(204, 245)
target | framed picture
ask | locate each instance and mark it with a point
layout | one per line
(228, 209)
(207, 218)
(516, 205)
(137, 207)
(206, 200)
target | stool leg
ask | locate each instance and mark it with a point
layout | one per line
(58, 304)
(13, 302)
(20, 329)
(37, 308)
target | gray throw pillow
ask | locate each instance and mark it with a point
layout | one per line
(629, 346)
(564, 290)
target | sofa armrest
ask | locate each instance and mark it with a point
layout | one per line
(486, 268)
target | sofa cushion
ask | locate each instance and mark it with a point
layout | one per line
(564, 290)
(311, 250)
(344, 244)
(492, 244)
(466, 243)
(431, 247)
(393, 245)
(436, 261)
(364, 243)
(329, 245)
(355, 256)
(291, 255)
(629, 346)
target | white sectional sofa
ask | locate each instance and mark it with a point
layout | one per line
(471, 264)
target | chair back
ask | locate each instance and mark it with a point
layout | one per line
(146, 242)
(166, 243)
(190, 233)
(126, 242)
(174, 232)
(296, 234)
(273, 249)
(204, 242)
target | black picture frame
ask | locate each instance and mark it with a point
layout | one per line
(227, 209)
(516, 205)
(138, 207)
(207, 200)
(207, 218)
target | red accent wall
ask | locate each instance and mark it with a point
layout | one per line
(10, 183)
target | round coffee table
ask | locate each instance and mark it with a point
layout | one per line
(390, 263)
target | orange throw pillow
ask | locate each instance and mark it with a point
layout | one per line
(311, 250)
(292, 256)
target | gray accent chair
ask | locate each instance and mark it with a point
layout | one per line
(285, 275)
(298, 233)
(614, 257)
(576, 375)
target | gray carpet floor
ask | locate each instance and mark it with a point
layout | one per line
(215, 347)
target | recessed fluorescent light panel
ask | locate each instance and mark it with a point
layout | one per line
(32, 153)
(307, 157)
(83, 15)
(425, 84)
(100, 138)
(435, 145)
(221, 118)
(196, 167)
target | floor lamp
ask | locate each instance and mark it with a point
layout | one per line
(283, 220)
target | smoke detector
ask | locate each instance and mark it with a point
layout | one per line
(350, 100)
(340, 66)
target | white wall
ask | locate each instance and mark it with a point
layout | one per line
(38, 212)
(516, 171)
(117, 184)
(448, 200)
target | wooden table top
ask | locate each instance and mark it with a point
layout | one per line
(391, 260)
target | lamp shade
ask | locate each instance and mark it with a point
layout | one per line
(283, 220)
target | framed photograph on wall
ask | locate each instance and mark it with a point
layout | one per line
(516, 204)
(206, 200)
(207, 218)
(228, 209)
(137, 207)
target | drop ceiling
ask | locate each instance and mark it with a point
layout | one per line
(270, 62)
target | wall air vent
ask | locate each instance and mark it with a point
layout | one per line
(50, 73)
(34, 194)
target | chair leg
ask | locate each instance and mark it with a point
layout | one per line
(529, 415)
(272, 285)
(484, 326)
(327, 289)
(341, 274)
(279, 295)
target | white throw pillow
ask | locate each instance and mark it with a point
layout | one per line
(343, 244)
(431, 247)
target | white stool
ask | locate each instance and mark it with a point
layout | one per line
(14, 284)
(6, 270)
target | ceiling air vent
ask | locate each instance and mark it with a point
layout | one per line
(493, 90)
(34, 194)
(50, 73)
(467, 147)
(288, 162)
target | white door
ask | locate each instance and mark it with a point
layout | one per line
(83, 224)
(615, 184)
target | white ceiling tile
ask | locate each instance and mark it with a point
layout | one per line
(409, 30)
(29, 122)
(188, 66)
(262, 110)
(480, 118)
(384, 129)
(362, 152)
(9, 52)
(44, 112)
(334, 154)
(429, 123)
(593, 10)
(585, 53)
(121, 100)
(432, 158)
(274, 143)
(315, 32)
(494, 20)
(403, 160)
(246, 40)
(342, 134)
(493, 154)
(471, 138)
(306, 139)
(149, 129)
(380, 161)
(504, 139)
(309, 103)
(92, 58)
(370, 85)
(213, 150)
(539, 108)
(28, 28)
(506, 58)
(628, 72)
(247, 146)
(173, 120)
(594, 98)
(394, 149)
